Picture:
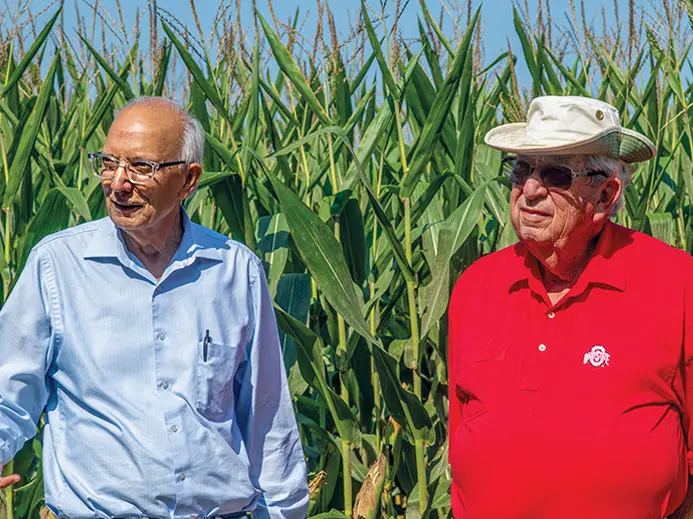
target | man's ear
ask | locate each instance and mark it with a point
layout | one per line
(609, 194)
(192, 177)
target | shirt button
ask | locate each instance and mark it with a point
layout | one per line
(181, 477)
(542, 347)
(158, 289)
(162, 336)
(164, 385)
(174, 428)
(551, 315)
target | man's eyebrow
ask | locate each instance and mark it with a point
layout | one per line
(133, 158)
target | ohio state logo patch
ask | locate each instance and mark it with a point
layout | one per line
(597, 356)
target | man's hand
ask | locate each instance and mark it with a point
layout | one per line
(9, 480)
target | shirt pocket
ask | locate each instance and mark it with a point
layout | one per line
(489, 351)
(215, 374)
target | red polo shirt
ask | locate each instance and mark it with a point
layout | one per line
(579, 409)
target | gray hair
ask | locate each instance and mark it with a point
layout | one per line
(613, 167)
(193, 141)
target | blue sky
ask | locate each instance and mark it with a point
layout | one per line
(496, 15)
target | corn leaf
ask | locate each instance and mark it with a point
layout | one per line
(27, 140)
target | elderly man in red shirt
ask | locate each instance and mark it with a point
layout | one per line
(569, 353)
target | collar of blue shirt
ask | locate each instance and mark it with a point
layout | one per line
(108, 243)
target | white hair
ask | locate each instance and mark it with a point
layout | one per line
(613, 167)
(193, 141)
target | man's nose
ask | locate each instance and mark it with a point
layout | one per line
(534, 188)
(121, 182)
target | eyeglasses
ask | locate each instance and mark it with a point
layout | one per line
(552, 176)
(138, 171)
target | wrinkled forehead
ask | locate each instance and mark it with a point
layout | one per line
(144, 130)
(574, 162)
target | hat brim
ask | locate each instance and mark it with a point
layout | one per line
(619, 143)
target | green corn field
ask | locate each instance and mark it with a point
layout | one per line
(357, 171)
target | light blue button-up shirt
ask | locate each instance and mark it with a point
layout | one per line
(138, 422)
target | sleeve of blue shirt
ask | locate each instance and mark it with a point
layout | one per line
(266, 417)
(26, 339)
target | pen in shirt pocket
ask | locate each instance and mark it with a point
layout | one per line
(205, 345)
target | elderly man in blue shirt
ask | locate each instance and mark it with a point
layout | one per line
(151, 343)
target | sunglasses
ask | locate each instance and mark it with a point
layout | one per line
(552, 176)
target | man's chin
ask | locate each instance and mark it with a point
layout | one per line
(530, 234)
(127, 217)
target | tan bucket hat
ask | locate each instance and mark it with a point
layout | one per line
(572, 125)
